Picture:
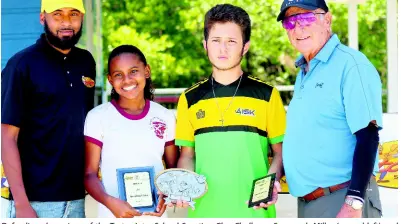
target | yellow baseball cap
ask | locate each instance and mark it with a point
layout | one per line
(53, 5)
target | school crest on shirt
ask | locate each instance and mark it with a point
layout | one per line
(88, 82)
(158, 126)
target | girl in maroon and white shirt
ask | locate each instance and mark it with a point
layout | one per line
(130, 131)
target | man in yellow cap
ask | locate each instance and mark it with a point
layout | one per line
(53, 5)
(46, 91)
(62, 20)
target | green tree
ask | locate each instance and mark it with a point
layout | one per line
(170, 34)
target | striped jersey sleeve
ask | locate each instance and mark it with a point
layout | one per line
(184, 128)
(275, 118)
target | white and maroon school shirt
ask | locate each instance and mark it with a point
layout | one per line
(128, 140)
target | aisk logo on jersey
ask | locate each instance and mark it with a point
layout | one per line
(245, 112)
(158, 126)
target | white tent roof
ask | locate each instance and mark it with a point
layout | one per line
(392, 45)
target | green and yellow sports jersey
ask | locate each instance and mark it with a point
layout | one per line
(233, 155)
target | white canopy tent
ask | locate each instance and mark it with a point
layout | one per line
(392, 56)
(392, 45)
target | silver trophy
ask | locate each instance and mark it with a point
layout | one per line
(181, 184)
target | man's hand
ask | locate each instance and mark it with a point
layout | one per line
(121, 209)
(161, 207)
(25, 211)
(347, 211)
(276, 190)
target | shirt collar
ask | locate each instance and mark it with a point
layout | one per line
(324, 53)
(300, 61)
(235, 83)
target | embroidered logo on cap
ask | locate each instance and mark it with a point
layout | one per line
(88, 82)
(292, 1)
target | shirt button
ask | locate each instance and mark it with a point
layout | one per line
(68, 72)
(71, 84)
(302, 86)
(65, 58)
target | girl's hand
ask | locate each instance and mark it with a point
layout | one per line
(161, 207)
(121, 209)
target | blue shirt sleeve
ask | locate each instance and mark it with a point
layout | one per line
(90, 92)
(362, 97)
(12, 94)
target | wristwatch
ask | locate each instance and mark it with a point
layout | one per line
(354, 203)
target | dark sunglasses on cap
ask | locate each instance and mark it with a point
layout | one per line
(304, 19)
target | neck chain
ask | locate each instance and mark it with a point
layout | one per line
(217, 103)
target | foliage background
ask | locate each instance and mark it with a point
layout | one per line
(170, 34)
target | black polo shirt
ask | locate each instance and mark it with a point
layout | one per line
(47, 95)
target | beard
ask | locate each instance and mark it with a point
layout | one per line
(229, 67)
(63, 43)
